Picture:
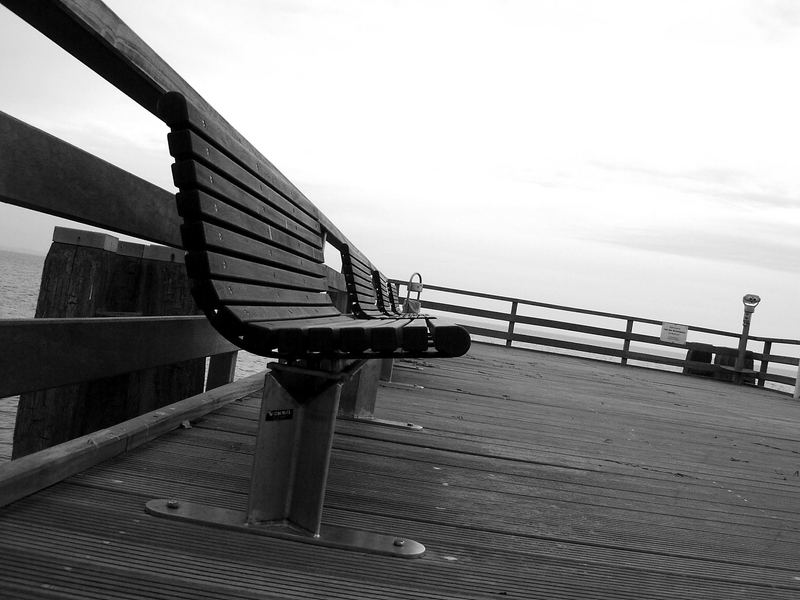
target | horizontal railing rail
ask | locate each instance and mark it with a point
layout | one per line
(77, 350)
(508, 333)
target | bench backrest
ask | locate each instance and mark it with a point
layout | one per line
(386, 302)
(358, 271)
(254, 245)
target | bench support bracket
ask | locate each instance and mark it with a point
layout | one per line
(290, 469)
(359, 393)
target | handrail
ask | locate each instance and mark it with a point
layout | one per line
(587, 311)
(77, 350)
(509, 335)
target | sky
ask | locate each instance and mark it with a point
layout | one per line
(636, 157)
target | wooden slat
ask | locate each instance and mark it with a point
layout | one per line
(42, 173)
(44, 353)
(200, 206)
(387, 335)
(294, 336)
(363, 290)
(252, 314)
(366, 301)
(361, 274)
(180, 109)
(190, 175)
(213, 265)
(242, 293)
(448, 338)
(185, 144)
(219, 239)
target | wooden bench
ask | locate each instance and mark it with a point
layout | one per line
(255, 260)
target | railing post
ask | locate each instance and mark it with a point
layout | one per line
(511, 321)
(796, 394)
(762, 371)
(221, 370)
(626, 346)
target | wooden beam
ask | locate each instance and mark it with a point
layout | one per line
(41, 172)
(29, 474)
(44, 353)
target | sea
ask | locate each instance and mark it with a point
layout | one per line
(20, 279)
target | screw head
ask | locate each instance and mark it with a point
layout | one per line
(173, 504)
(399, 542)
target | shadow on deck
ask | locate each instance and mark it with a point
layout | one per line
(536, 476)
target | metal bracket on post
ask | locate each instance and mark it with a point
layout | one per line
(290, 470)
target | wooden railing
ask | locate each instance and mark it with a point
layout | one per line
(501, 326)
(42, 173)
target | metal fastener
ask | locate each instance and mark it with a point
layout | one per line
(173, 504)
(399, 542)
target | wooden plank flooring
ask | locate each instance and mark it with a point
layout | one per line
(536, 476)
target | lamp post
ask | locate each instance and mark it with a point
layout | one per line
(750, 302)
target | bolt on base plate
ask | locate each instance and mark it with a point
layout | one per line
(330, 535)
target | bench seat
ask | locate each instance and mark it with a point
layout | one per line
(255, 258)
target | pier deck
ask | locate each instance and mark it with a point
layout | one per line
(536, 476)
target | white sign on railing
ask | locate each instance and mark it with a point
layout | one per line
(674, 333)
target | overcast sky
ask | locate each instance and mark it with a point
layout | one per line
(631, 156)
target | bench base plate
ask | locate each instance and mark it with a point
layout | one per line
(383, 422)
(330, 535)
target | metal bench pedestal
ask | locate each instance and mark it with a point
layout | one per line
(290, 469)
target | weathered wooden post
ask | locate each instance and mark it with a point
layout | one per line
(626, 345)
(90, 274)
(511, 323)
(762, 371)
